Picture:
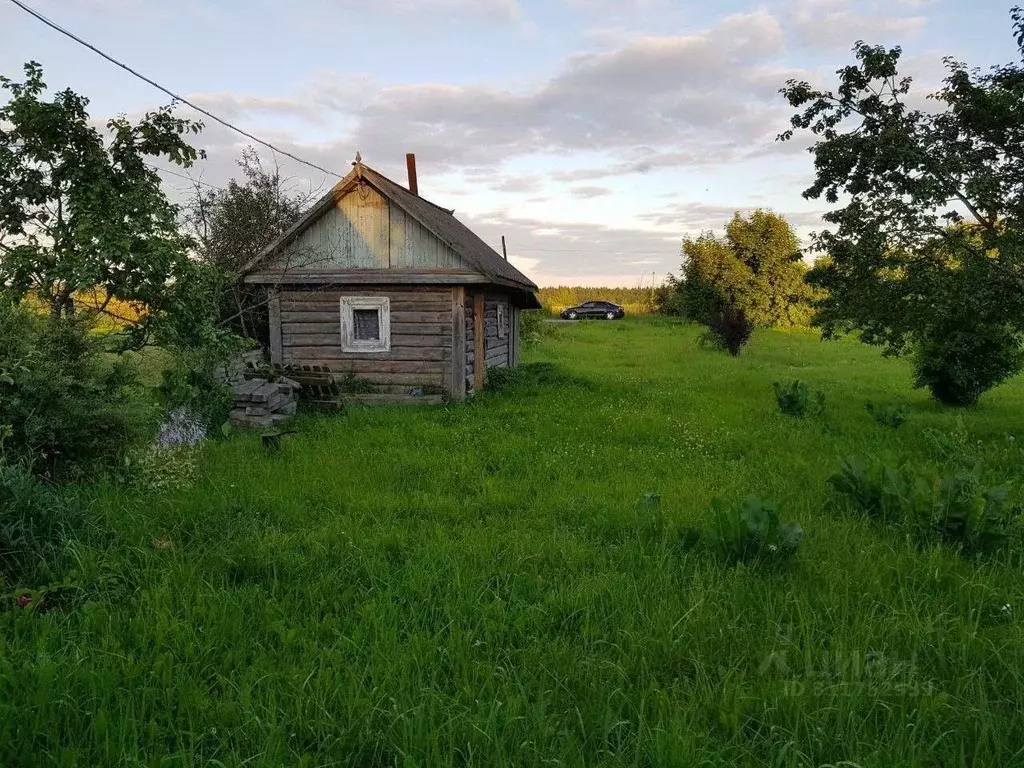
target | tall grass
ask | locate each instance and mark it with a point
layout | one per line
(484, 585)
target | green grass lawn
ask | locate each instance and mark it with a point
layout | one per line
(478, 585)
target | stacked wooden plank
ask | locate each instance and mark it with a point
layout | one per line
(237, 368)
(262, 403)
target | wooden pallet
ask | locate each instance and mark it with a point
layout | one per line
(318, 388)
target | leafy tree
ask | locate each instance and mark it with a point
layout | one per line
(63, 403)
(755, 268)
(233, 225)
(78, 213)
(926, 255)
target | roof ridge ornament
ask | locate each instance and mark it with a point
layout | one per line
(358, 164)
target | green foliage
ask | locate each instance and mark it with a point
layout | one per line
(798, 399)
(233, 225)
(729, 330)
(956, 508)
(668, 298)
(756, 268)
(892, 416)
(190, 381)
(67, 404)
(751, 531)
(154, 470)
(34, 519)
(905, 268)
(961, 364)
(532, 327)
(193, 377)
(462, 601)
(78, 213)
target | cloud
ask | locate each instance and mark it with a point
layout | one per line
(645, 104)
(652, 102)
(589, 192)
(824, 25)
(695, 217)
(579, 253)
(506, 9)
(527, 183)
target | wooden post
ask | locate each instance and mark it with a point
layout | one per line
(479, 359)
(276, 340)
(513, 336)
(458, 382)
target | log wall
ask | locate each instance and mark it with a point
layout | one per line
(421, 336)
(498, 352)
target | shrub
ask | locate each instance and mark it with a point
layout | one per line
(892, 416)
(156, 470)
(872, 489)
(751, 531)
(67, 403)
(34, 518)
(962, 364)
(729, 330)
(531, 326)
(958, 509)
(192, 382)
(798, 399)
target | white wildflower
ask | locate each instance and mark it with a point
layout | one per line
(181, 428)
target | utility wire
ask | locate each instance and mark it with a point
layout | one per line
(55, 26)
(58, 28)
(183, 176)
(625, 251)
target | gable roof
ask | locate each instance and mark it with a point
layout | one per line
(441, 222)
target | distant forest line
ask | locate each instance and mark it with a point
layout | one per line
(633, 300)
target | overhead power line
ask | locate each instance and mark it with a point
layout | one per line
(624, 251)
(184, 176)
(57, 27)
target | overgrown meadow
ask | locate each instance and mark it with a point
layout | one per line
(537, 578)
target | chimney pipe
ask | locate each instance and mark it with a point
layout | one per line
(410, 161)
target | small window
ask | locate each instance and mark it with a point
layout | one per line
(502, 321)
(365, 324)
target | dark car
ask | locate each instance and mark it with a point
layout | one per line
(602, 310)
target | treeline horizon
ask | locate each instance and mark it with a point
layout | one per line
(634, 300)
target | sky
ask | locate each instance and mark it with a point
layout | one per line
(593, 134)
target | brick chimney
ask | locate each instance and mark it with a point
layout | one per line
(410, 162)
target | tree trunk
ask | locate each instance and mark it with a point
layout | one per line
(62, 304)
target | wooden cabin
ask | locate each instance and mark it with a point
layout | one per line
(388, 289)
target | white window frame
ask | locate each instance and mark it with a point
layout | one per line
(349, 342)
(502, 320)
